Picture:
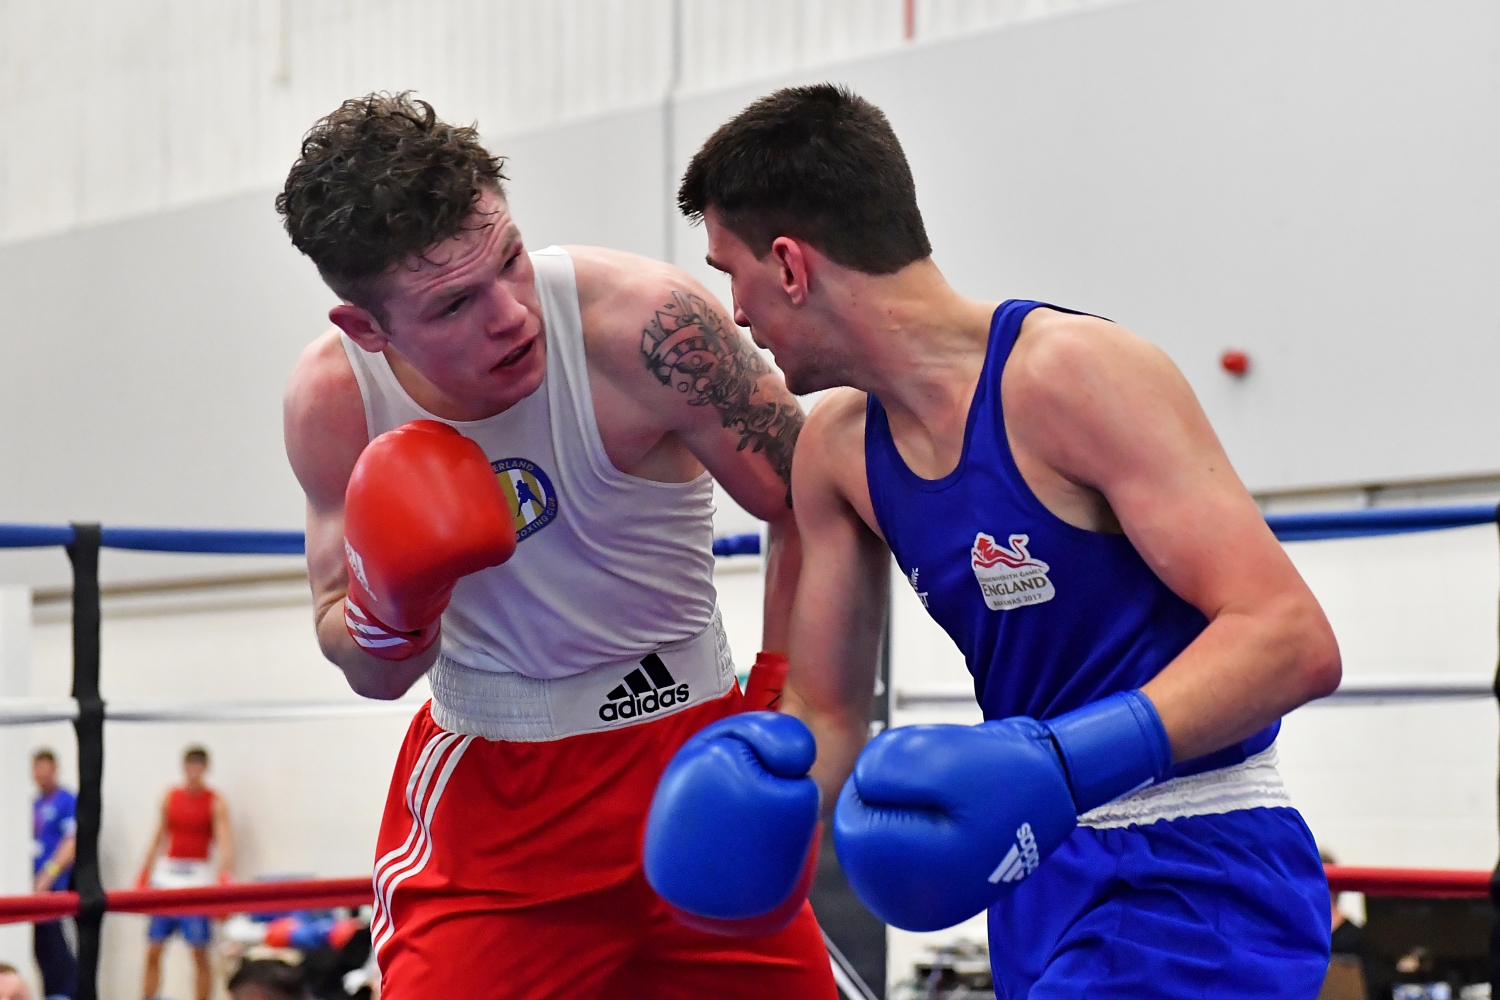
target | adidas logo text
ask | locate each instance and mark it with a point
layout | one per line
(648, 689)
(1021, 860)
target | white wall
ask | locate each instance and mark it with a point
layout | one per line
(115, 110)
(1311, 182)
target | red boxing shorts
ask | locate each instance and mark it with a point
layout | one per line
(512, 871)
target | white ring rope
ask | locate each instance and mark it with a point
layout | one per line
(31, 711)
(34, 711)
(1354, 690)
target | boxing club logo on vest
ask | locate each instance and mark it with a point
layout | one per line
(645, 691)
(1009, 577)
(533, 501)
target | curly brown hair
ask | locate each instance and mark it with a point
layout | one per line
(380, 180)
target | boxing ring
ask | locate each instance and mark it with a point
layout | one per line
(88, 712)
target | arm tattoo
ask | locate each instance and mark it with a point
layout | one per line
(686, 347)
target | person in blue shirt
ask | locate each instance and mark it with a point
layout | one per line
(1052, 490)
(54, 828)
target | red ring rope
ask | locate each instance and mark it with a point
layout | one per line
(213, 901)
(318, 894)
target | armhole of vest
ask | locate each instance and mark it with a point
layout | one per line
(876, 447)
(361, 378)
(557, 282)
(1020, 489)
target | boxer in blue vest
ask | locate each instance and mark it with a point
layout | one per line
(1054, 494)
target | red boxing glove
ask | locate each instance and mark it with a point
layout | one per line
(423, 508)
(767, 678)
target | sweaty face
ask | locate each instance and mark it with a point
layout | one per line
(761, 304)
(467, 318)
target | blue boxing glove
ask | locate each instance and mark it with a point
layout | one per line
(730, 841)
(937, 822)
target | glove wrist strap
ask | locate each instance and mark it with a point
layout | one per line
(1110, 747)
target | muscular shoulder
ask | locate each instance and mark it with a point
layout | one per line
(1078, 390)
(1061, 358)
(613, 281)
(647, 324)
(829, 467)
(837, 424)
(323, 419)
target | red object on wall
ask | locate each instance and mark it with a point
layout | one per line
(1236, 363)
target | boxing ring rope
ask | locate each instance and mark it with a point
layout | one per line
(310, 894)
(87, 711)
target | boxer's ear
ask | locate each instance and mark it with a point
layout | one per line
(360, 326)
(793, 270)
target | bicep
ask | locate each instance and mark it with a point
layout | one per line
(728, 404)
(1131, 428)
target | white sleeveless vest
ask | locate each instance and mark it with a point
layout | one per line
(609, 567)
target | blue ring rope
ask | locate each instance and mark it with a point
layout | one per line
(1288, 527)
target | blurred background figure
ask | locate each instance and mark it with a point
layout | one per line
(53, 828)
(1348, 972)
(194, 825)
(12, 986)
(265, 979)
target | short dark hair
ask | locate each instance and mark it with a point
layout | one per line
(6, 969)
(272, 976)
(819, 163)
(195, 752)
(379, 180)
(44, 754)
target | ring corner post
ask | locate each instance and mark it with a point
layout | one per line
(83, 553)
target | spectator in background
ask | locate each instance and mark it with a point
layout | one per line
(12, 986)
(54, 828)
(265, 979)
(194, 824)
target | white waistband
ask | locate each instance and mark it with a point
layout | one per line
(1250, 784)
(520, 709)
(181, 873)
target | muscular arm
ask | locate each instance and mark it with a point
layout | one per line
(842, 597)
(223, 835)
(1108, 412)
(737, 417)
(677, 388)
(325, 432)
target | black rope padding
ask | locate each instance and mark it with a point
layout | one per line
(84, 554)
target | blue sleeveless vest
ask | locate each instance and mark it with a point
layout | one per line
(1049, 617)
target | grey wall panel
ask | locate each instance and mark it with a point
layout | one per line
(596, 182)
(1312, 182)
(144, 364)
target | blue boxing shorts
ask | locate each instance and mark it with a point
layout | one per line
(194, 930)
(1166, 894)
